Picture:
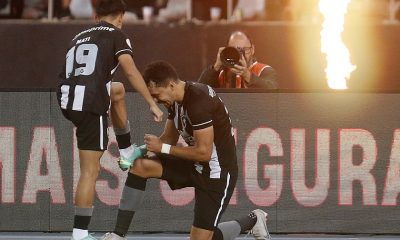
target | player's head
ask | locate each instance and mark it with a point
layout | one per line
(110, 10)
(243, 43)
(162, 80)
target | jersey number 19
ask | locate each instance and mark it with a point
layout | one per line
(85, 57)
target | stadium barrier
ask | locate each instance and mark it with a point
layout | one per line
(318, 162)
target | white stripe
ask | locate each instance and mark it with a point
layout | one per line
(112, 71)
(101, 133)
(262, 69)
(78, 100)
(223, 199)
(254, 63)
(108, 86)
(176, 118)
(64, 96)
(127, 49)
(196, 125)
(215, 169)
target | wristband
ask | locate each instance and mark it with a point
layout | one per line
(165, 148)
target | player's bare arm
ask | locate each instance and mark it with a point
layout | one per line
(200, 152)
(170, 134)
(136, 80)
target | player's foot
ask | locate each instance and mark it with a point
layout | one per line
(126, 162)
(112, 236)
(260, 230)
(89, 237)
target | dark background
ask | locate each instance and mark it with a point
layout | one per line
(32, 53)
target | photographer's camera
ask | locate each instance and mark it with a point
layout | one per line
(230, 56)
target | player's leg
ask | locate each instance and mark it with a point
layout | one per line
(85, 192)
(119, 119)
(174, 171)
(209, 207)
(133, 191)
(89, 170)
(254, 222)
(132, 194)
(92, 140)
(212, 196)
(119, 115)
(200, 234)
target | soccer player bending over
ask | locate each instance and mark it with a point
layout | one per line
(208, 163)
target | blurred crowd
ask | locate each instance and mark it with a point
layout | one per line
(214, 10)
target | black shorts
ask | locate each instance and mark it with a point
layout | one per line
(211, 195)
(91, 129)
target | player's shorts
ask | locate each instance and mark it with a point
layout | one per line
(211, 195)
(91, 129)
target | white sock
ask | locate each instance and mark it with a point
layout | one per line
(78, 234)
(126, 152)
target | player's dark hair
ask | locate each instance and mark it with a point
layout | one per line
(159, 72)
(109, 7)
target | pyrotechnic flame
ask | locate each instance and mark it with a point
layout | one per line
(338, 67)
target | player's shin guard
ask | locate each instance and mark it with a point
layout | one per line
(131, 201)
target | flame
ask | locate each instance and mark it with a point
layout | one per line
(338, 67)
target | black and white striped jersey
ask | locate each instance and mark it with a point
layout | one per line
(201, 108)
(91, 61)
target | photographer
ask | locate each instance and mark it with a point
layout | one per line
(239, 69)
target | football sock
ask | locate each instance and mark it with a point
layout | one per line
(247, 222)
(81, 222)
(227, 231)
(123, 136)
(131, 200)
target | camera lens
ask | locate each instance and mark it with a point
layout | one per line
(229, 57)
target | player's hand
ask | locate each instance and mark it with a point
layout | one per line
(153, 143)
(157, 113)
(218, 63)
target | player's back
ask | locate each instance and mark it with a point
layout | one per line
(91, 61)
